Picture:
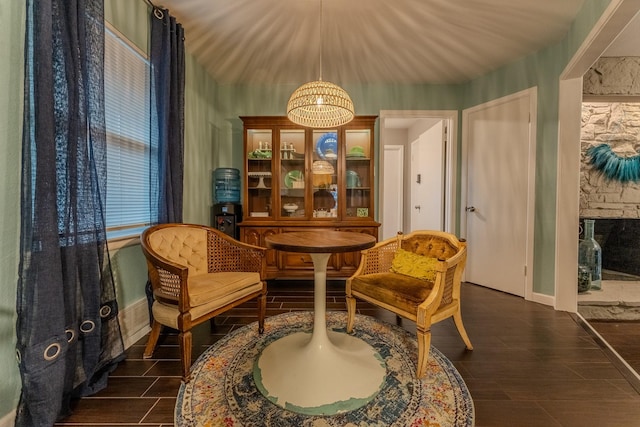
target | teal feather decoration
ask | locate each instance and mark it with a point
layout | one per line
(612, 166)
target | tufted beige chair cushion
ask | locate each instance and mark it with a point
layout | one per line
(209, 292)
(213, 286)
(184, 246)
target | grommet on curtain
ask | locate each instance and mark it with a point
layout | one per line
(71, 334)
(105, 311)
(87, 326)
(158, 13)
(18, 356)
(52, 351)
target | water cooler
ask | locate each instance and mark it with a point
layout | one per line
(225, 217)
(226, 212)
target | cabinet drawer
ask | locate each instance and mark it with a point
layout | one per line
(302, 261)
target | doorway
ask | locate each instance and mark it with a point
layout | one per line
(398, 131)
(613, 21)
(427, 178)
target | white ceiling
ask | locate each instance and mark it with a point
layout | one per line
(366, 41)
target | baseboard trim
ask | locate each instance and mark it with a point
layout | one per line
(8, 420)
(618, 361)
(134, 322)
(543, 299)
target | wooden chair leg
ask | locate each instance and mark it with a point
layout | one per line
(153, 340)
(457, 319)
(184, 337)
(351, 313)
(424, 345)
(262, 309)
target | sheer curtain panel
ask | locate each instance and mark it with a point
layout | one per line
(68, 335)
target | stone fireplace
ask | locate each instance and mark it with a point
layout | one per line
(615, 207)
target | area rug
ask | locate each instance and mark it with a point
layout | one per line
(222, 391)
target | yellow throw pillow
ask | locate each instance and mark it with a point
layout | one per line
(414, 265)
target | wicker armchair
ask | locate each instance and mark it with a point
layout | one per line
(422, 301)
(198, 272)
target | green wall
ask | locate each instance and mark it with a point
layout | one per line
(12, 17)
(213, 138)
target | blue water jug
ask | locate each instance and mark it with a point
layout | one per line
(226, 184)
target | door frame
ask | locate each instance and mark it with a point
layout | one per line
(396, 161)
(427, 142)
(532, 93)
(451, 154)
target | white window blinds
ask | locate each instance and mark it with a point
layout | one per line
(127, 104)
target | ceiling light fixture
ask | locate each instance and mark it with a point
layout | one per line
(320, 104)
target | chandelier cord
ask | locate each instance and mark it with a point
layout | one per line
(320, 41)
(320, 104)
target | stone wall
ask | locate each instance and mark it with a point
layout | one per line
(613, 76)
(616, 124)
(613, 123)
(614, 206)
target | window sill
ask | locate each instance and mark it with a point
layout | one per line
(123, 238)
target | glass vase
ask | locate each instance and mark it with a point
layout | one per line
(584, 279)
(590, 255)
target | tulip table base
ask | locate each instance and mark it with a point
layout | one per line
(323, 372)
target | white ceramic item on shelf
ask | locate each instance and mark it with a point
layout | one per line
(290, 208)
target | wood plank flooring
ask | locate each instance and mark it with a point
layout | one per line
(531, 365)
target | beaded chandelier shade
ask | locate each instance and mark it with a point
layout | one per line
(320, 104)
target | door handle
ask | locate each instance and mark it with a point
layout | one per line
(470, 209)
(417, 207)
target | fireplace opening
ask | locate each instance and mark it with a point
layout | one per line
(619, 239)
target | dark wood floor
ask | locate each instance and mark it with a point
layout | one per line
(531, 365)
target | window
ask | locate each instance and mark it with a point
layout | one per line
(127, 107)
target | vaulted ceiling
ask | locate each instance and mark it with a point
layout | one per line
(366, 41)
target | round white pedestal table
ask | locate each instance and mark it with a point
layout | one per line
(323, 372)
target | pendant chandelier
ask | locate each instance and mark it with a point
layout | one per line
(320, 104)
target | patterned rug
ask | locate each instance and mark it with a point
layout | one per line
(222, 391)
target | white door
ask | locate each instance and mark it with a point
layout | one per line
(499, 192)
(428, 179)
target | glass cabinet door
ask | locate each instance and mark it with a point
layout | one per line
(358, 173)
(295, 174)
(324, 171)
(259, 172)
(292, 167)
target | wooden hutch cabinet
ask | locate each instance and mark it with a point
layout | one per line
(298, 179)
